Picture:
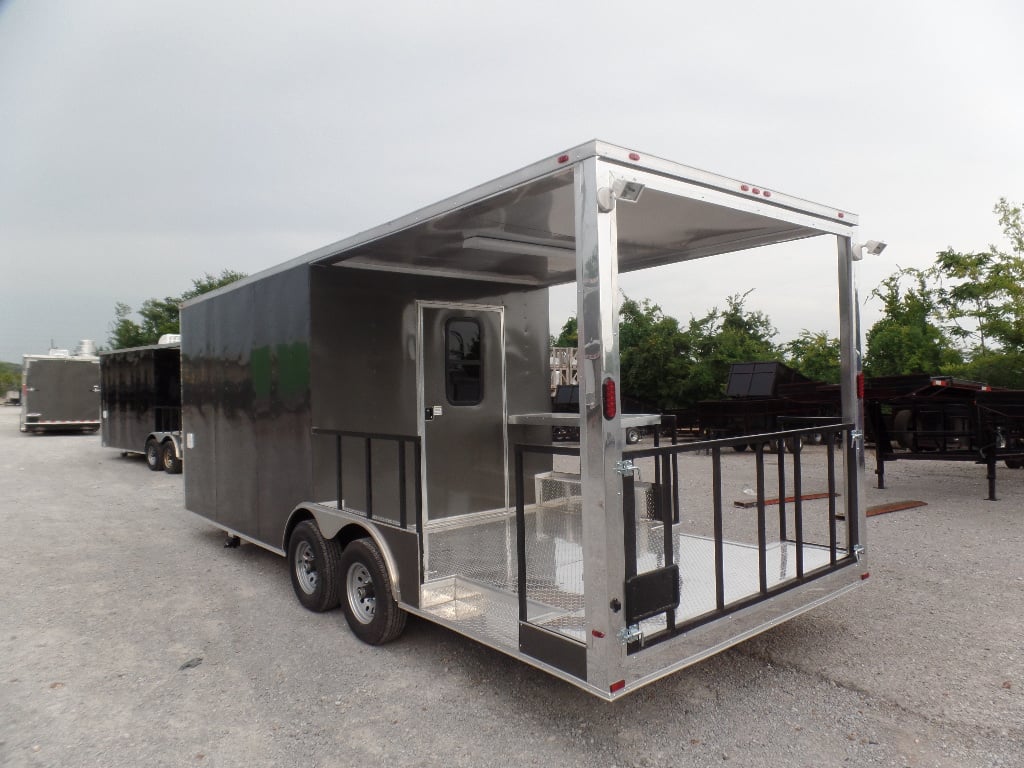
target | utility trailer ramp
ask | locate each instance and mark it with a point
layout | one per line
(378, 411)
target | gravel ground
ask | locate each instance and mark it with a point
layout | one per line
(130, 637)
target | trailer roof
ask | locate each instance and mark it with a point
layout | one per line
(520, 228)
(143, 348)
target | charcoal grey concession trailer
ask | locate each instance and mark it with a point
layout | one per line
(378, 411)
(60, 392)
(140, 394)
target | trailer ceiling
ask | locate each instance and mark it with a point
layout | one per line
(525, 234)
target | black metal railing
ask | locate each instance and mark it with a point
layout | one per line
(653, 593)
(402, 443)
(520, 450)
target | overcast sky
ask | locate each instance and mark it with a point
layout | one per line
(143, 144)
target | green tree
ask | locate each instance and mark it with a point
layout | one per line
(721, 338)
(905, 340)
(963, 316)
(815, 355)
(10, 378)
(980, 295)
(160, 316)
(672, 367)
(652, 359)
(569, 337)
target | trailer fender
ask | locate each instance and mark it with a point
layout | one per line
(335, 523)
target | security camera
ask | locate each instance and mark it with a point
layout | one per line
(874, 247)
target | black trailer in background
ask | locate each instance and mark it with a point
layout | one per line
(60, 393)
(141, 403)
(911, 417)
(941, 418)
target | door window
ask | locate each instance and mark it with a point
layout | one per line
(463, 361)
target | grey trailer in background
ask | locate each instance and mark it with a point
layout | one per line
(378, 411)
(140, 390)
(60, 391)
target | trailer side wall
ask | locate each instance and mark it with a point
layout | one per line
(246, 404)
(365, 369)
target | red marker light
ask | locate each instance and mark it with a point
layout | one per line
(766, 193)
(841, 215)
(597, 633)
(865, 576)
(756, 191)
(608, 390)
(563, 158)
(860, 385)
(617, 686)
(744, 187)
(634, 156)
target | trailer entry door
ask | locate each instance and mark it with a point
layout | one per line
(462, 409)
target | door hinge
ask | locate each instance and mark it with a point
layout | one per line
(858, 551)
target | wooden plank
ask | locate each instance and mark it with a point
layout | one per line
(749, 504)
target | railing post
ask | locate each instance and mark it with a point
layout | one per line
(520, 534)
(832, 501)
(762, 555)
(798, 513)
(716, 490)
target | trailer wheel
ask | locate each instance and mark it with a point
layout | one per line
(314, 567)
(903, 429)
(632, 435)
(1014, 463)
(170, 461)
(371, 611)
(154, 456)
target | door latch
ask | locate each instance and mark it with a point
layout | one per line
(631, 634)
(626, 467)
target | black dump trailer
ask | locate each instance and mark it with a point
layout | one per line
(766, 396)
(942, 418)
(141, 403)
(60, 393)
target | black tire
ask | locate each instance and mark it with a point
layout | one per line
(903, 430)
(740, 448)
(1014, 463)
(366, 594)
(632, 435)
(313, 562)
(154, 456)
(169, 459)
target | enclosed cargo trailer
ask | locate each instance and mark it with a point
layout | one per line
(60, 391)
(140, 391)
(378, 411)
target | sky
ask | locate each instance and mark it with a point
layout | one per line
(144, 144)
